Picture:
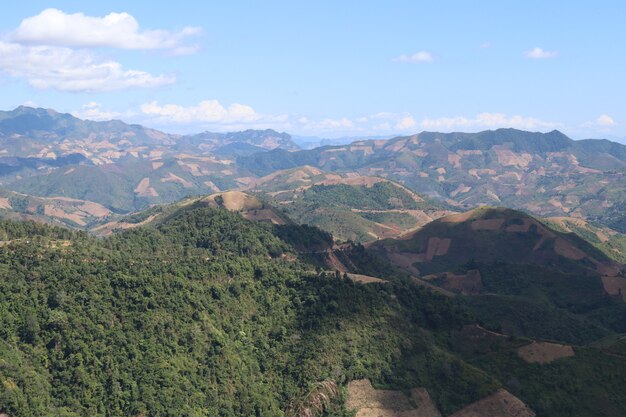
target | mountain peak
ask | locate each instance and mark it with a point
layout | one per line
(19, 110)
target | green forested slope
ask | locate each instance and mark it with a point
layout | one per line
(201, 315)
(207, 314)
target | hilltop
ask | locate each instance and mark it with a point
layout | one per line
(509, 266)
(492, 235)
(350, 206)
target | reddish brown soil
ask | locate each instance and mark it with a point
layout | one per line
(370, 402)
(487, 224)
(470, 283)
(364, 279)
(615, 286)
(500, 404)
(567, 250)
(544, 352)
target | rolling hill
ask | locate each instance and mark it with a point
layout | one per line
(491, 234)
(547, 174)
(350, 206)
(516, 273)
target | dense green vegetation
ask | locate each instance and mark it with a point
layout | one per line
(380, 196)
(587, 384)
(203, 315)
(355, 212)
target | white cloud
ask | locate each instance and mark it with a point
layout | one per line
(67, 70)
(486, 121)
(539, 53)
(416, 58)
(209, 111)
(603, 124)
(406, 123)
(605, 120)
(53, 27)
(94, 111)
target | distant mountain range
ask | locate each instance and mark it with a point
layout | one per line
(129, 167)
(310, 142)
(124, 167)
(544, 173)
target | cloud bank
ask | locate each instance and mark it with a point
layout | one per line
(52, 51)
(53, 27)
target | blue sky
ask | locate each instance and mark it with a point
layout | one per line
(323, 68)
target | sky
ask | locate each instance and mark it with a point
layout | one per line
(322, 68)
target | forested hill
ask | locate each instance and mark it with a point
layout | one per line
(206, 313)
(201, 315)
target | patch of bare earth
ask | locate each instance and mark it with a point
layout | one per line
(457, 218)
(108, 228)
(544, 352)
(370, 402)
(406, 260)
(335, 263)
(615, 286)
(500, 404)
(235, 201)
(467, 284)
(436, 247)
(263, 215)
(487, 224)
(5, 203)
(506, 157)
(608, 268)
(364, 279)
(519, 228)
(175, 178)
(52, 211)
(212, 186)
(475, 340)
(567, 250)
(143, 189)
(94, 209)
